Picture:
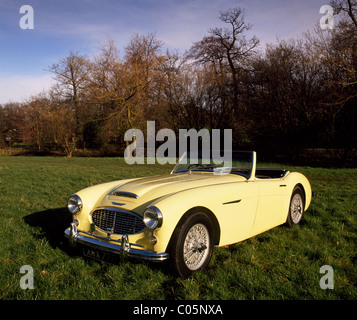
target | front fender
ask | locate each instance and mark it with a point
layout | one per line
(296, 178)
(173, 208)
(213, 198)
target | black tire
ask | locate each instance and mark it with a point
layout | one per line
(296, 207)
(191, 245)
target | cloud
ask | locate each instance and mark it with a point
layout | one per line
(19, 88)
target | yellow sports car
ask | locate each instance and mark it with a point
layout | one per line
(181, 216)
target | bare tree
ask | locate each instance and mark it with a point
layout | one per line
(227, 49)
(335, 51)
(11, 123)
(348, 7)
(51, 123)
(142, 62)
(71, 74)
(287, 87)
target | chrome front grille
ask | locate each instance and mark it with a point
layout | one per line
(116, 221)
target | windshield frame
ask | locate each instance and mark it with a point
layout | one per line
(247, 172)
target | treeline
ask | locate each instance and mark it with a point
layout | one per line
(290, 99)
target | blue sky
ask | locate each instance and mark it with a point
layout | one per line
(61, 26)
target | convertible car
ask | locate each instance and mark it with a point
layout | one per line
(181, 216)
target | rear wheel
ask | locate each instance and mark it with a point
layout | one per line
(191, 245)
(296, 209)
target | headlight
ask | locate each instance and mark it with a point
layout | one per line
(74, 204)
(152, 217)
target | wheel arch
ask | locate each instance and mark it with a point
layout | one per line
(303, 190)
(211, 216)
(296, 179)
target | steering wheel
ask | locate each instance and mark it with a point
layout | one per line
(195, 164)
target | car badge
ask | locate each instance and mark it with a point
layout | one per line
(118, 204)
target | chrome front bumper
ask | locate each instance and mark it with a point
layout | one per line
(124, 249)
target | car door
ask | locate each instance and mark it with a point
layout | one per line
(236, 211)
(271, 206)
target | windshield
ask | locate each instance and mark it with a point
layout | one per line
(237, 162)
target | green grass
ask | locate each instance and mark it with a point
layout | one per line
(282, 263)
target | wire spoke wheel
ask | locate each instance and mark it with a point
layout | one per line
(192, 244)
(296, 208)
(196, 245)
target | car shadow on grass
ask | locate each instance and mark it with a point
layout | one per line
(51, 224)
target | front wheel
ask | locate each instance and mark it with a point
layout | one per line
(191, 245)
(296, 209)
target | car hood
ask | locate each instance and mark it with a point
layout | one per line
(137, 194)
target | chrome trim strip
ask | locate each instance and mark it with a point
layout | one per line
(232, 202)
(123, 250)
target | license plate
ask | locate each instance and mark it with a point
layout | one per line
(99, 255)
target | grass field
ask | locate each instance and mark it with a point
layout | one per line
(282, 263)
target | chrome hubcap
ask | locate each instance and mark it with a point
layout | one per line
(195, 246)
(296, 208)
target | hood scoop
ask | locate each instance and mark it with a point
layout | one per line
(125, 194)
